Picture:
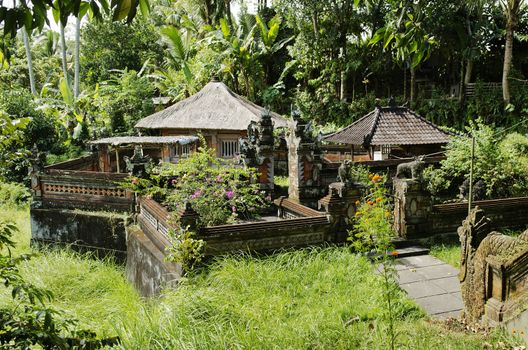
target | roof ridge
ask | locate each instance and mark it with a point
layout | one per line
(368, 115)
(368, 137)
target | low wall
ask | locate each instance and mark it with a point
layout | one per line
(69, 189)
(146, 267)
(415, 216)
(99, 231)
(297, 232)
(504, 213)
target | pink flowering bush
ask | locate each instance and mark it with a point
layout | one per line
(218, 190)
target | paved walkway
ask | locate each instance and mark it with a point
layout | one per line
(432, 283)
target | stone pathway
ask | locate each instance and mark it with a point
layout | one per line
(432, 283)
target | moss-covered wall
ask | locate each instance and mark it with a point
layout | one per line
(98, 231)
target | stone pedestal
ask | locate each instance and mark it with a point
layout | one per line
(412, 208)
(340, 205)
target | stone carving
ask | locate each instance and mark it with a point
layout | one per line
(479, 190)
(343, 172)
(478, 243)
(411, 170)
(137, 164)
(257, 150)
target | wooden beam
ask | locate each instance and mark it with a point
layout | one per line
(117, 159)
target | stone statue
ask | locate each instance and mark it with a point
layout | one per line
(138, 163)
(479, 190)
(411, 170)
(477, 243)
(343, 172)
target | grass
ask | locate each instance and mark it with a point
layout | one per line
(445, 248)
(324, 298)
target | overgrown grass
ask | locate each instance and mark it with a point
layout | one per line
(445, 248)
(325, 298)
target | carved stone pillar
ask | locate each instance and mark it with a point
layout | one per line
(340, 204)
(304, 163)
(265, 148)
(412, 208)
(257, 150)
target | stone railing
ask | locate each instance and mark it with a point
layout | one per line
(154, 220)
(70, 189)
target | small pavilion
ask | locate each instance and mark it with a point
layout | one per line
(113, 150)
(392, 131)
(216, 112)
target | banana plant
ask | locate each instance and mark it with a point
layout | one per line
(405, 36)
(269, 45)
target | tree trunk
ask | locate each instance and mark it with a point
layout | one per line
(25, 36)
(404, 83)
(76, 80)
(63, 53)
(413, 83)
(508, 56)
(469, 71)
(343, 77)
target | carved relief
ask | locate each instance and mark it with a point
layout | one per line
(478, 244)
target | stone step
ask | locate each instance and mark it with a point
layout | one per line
(414, 250)
(403, 252)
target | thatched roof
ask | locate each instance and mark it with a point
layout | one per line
(145, 140)
(213, 107)
(390, 126)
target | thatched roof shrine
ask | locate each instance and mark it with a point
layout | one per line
(390, 126)
(214, 107)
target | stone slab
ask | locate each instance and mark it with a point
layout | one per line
(449, 284)
(420, 261)
(421, 289)
(432, 284)
(440, 304)
(437, 271)
(409, 276)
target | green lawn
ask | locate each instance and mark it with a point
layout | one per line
(325, 298)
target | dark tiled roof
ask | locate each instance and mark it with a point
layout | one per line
(390, 126)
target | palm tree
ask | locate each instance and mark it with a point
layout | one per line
(25, 36)
(77, 64)
(512, 11)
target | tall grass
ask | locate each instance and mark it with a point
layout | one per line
(325, 298)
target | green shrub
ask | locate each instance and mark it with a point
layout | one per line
(14, 195)
(218, 190)
(500, 168)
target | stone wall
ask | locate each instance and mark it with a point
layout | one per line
(146, 267)
(99, 231)
(415, 216)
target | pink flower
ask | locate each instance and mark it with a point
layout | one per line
(196, 194)
(233, 209)
(230, 194)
